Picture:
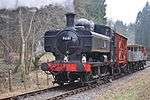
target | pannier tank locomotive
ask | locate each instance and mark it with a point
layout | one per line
(86, 51)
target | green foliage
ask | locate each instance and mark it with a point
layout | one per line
(91, 9)
(142, 26)
(126, 30)
(131, 33)
(35, 61)
(97, 10)
(80, 6)
(120, 27)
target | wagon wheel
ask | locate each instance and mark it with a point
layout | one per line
(125, 69)
(113, 71)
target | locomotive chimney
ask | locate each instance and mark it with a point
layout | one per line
(70, 19)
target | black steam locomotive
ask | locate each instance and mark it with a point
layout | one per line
(74, 47)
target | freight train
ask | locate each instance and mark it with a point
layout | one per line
(86, 51)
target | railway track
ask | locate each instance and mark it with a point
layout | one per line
(62, 92)
(18, 97)
(50, 90)
(78, 90)
(82, 89)
(66, 90)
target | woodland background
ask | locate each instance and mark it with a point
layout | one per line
(22, 30)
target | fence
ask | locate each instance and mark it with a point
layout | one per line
(11, 82)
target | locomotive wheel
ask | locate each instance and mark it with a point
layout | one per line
(113, 73)
(86, 78)
(61, 84)
(142, 66)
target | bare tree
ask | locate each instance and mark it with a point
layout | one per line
(25, 27)
(25, 32)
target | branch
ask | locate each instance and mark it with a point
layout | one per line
(6, 45)
(21, 26)
(30, 27)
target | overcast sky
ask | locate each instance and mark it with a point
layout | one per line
(30, 3)
(125, 10)
(12, 4)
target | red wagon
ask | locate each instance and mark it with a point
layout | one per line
(121, 55)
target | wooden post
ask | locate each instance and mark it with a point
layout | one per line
(1, 87)
(37, 79)
(47, 80)
(9, 80)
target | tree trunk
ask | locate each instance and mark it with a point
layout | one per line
(23, 53)
(32, 53)
(23, 67)
(23, 45)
